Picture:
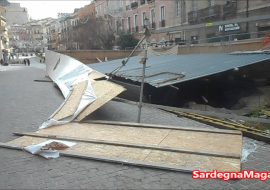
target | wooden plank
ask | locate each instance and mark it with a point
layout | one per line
(162, 148)
(115, 160)
(234, 132)
(38, 80)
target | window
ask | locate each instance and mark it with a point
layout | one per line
(194, 5)
(136, 20)
(153, 16)
(211, 3)
(101, 11)
(129, 23)
(123, 24)
(121, 3)
(177, 8)
(162, 13)
(143, 17)
(128, 2)
(116, 24)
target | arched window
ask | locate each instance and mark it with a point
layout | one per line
(163, 39)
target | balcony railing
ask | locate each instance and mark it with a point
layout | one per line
(230, 7)
(209, 12)
(192, 16)
(128, 7)
(134, 5)
(142, 2)
(162, 23)
(150, 1)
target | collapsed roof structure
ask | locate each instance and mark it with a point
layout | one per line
(171, 79)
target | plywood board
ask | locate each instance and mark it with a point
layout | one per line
(137, 135)
(95, 75)
(204, 141)
(71, 104)
(193, 160)
(138, 154)
(105, 91)
(215, 142)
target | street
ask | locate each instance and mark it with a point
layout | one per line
(26, 104)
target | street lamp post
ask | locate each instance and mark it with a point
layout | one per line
(147, 34)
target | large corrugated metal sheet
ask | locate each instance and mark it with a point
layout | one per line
(169, 68)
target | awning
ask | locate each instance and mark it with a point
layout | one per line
(167, 70)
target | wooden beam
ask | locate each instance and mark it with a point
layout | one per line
(116, 160)
(37, 80)
(233, 132)
(142, 146)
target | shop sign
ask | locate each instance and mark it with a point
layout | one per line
(229, 27)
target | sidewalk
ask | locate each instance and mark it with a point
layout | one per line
(34, 62)
(26, 104)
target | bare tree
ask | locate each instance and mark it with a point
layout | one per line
(96, 33)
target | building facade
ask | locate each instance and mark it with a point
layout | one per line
(4, 40)
(16, 14)
(130, 14)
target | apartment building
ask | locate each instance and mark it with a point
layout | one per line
(165, 15)
(4, 42)
(206, 12)
(16, 14)
(67, 31)
(130, 14)
(87, 11)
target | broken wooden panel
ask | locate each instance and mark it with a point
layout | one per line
(105, 91)
(69, 107)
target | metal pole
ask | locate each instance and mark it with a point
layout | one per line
(230, 43)
(143, 77)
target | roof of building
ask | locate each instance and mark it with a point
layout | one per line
(167, 70)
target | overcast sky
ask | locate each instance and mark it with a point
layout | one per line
(44, 9)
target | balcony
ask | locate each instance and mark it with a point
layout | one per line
(150, 1)
(142, 2)
(230, 7)
(192, 16)
(212, 11)
(127, 7)
(162, 24)
(134, 5)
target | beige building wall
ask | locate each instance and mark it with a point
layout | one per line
(16, 14)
